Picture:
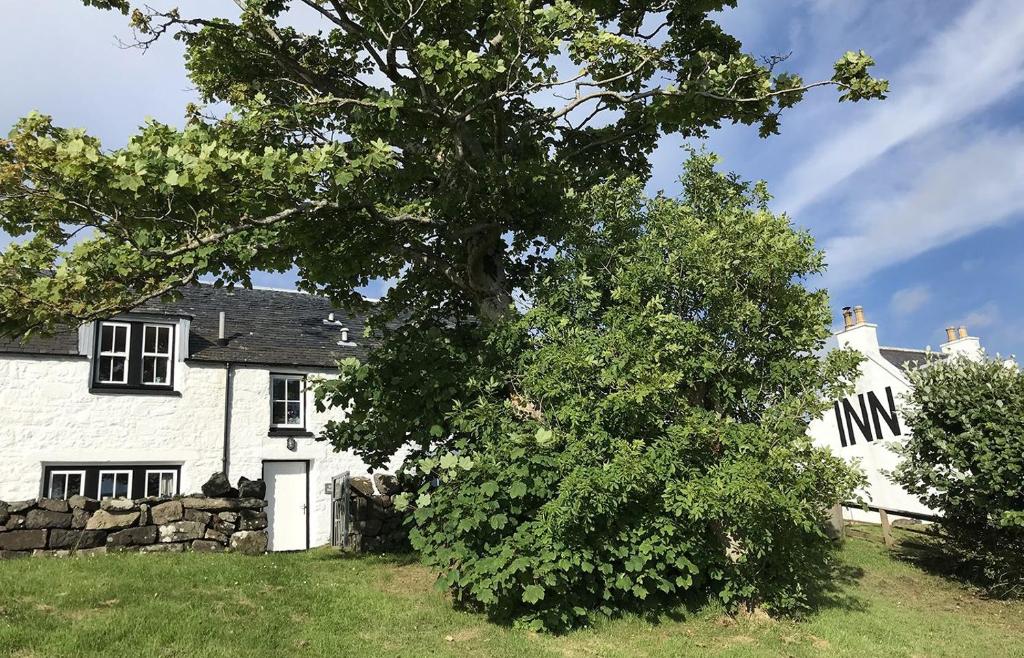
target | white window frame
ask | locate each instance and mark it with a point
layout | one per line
(81, 483)
(302, 400)
(115, 473)
(126, 355)
(168, 356)
(160, 471)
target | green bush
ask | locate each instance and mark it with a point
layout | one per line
(965, 459)
(644, 436)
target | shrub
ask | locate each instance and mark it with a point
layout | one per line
(645, 438)
(965, 459)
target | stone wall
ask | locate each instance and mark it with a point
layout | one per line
(85, 526)
(376, 526)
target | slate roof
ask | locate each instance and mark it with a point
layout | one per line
(902, 357)
(268, 327)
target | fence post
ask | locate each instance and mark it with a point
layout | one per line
(837, 523)
(886, 529)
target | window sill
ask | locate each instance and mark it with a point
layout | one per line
(289, 431)
(127, 390)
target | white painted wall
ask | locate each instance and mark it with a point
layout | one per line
(48, 415)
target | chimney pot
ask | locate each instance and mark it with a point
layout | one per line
(330, 317)
(221, 339)
(963, 331)
(847, 317)
(950, 334)
(858, 312)
(344, 335)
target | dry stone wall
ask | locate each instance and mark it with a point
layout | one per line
(376, 526)
(85, 526)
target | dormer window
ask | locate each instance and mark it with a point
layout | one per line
(133, 356)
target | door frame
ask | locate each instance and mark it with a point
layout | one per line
(263, 476)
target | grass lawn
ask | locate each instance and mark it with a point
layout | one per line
(321, 603)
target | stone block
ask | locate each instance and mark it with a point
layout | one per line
(211, 504)
(79, 517)
(89, 552)
(251, 503)
(76, 539)
(182, 531)
(217, 485)
(118, 505)
(386, 483)
(5, 513)
(53, 505)
(15, 521)
(216, 535)
(140, 536)
(22, 540)
(251, 488)
(196, 515)
(41, 518)
(20, 506)
(163, 548)
(168, 512)
(220, 525)
(104, 520)
(252, 520)
(229, 517)
(249, 542)
(205, 546)
(362, 485)
(10, 555)
(83, 503)
(145, 514)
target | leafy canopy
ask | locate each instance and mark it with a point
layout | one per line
(670, 360)
(965, 459)
(433, 142)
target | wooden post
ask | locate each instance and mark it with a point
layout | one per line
(886, 529)
(837, 523)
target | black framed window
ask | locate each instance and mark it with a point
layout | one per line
(113, 480)
(287, 401)
(132, 356)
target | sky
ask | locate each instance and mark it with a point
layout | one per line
(918, 200)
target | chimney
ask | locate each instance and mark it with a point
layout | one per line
(960, 343)
(847, 317)
(857, 333)
(344, 334)
(221, 338)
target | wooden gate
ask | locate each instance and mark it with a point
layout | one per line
(340, 514)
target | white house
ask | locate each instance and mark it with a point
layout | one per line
(155, 401)
(863, 425)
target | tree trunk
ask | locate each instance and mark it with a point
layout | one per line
(485, 271)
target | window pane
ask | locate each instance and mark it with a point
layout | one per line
(58, 487)
(117, 369)
(149, 339)
(121, 485)
(161, 370)
(293, 389)
(279, 416)
(152, 484)
(106, 485)
(278, 388)
(294, 413)
(163, 340)
(167, 484)
(74, 487)
(106, 338)
(120, 339)
(149, 369)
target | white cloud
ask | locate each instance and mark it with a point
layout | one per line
(909, 300)
(974, 63)
(972, 185)
(983, 316)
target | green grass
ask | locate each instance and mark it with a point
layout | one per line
(320, 603)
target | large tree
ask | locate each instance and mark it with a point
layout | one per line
(435, 142)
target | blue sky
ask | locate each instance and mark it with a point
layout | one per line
(917, 200)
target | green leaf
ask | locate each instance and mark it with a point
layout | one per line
(533, 594)
(517, 490)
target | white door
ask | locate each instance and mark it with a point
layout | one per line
(287, 490)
